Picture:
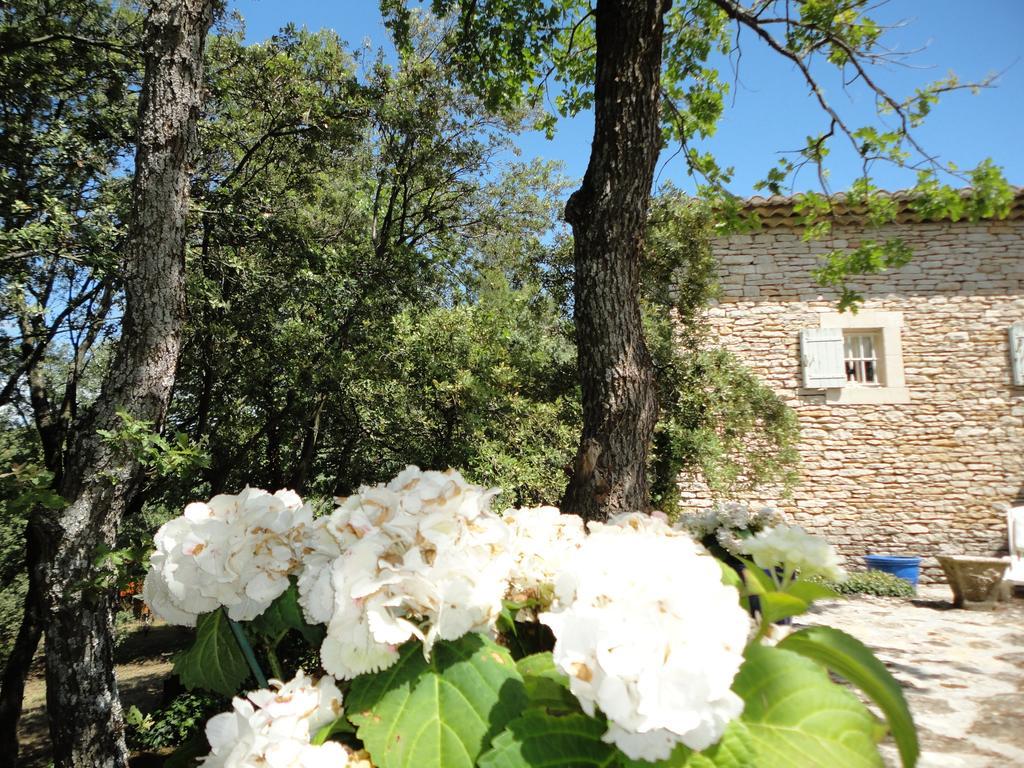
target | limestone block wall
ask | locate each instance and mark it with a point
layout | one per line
(930, 475)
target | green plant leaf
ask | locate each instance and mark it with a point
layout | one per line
(780, 605)
(443, 712)
(849, 657)
(338, 725)
(541, 739)
(214, 662)
(809, 591)
(546, 686)
(284, 614)
(758, 582)
(542, 665)
(734, 750)
(796, 715)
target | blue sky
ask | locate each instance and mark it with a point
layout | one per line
(771, 110)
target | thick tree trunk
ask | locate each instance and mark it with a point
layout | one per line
(86, 725)
(608, 214)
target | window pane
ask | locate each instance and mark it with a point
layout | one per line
(867, 349)
(869, 371)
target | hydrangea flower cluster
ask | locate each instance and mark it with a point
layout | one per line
(657, 658)
(543, 541)
(422, 556)
(644, 627)
(729, 524)
(275, 727)
(235, 551)
(790, 546)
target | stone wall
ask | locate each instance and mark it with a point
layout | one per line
(930, 475)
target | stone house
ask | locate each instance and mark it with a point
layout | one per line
(911, 410)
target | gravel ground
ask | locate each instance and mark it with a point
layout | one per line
(962, 672)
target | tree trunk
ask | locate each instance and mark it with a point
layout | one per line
(86, 726)
(24, 646)
(608, 215)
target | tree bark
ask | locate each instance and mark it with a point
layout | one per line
(24, 647)
(86, 725)
(608, 215)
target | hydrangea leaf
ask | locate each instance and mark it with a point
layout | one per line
(547, 687)
(734, 750)
(285, 614)
(541, 739)
(849, 657)
(809, 591)
(776, 606)
(796, 715)
(214, 662)
(439, 713)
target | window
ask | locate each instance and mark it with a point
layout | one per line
(854, 359)
(860, 354)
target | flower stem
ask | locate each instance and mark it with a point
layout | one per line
(247, 652)
(275, 664)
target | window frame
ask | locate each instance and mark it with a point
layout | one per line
(892, 386)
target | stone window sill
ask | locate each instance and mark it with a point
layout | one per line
(860, 395)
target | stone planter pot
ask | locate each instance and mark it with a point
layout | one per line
(974, 579)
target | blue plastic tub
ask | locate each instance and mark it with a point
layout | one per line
(906, 568)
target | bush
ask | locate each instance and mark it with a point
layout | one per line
(171, 724)
(878, 583)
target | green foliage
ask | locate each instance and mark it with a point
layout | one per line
(25, 487)
(878, 583)
(794, 714)
(158, 455)
(537, 738)
(441, 712)
(284, 615)
(172, 724)
(214, 662)
(719, 423)
(850, 658)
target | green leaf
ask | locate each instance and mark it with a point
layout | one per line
(338, 725)
(809, 591)
(214, 662)
(758, 582)
(780, 605)
(546, 686)
(284, 614)
(796, 715)
(542, 665)
(729, 576)
(540, 739)
(734, 750)
(442, 712)
(849, 657)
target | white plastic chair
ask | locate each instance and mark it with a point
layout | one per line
(1015, 530)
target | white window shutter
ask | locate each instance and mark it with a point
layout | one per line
(821, 353)
(1017, 353)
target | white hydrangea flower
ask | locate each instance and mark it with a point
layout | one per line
(791, 547)
(274, 727)
(730, 523)
(235, 551)
(648, 634)
(543, 540)
(419, 557)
